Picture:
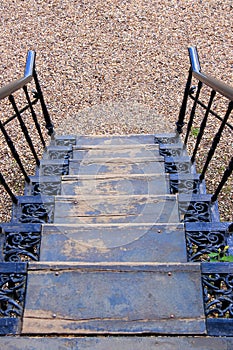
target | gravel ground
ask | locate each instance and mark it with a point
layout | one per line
(113, 67)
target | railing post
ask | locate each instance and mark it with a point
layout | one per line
(180, 122)
(49, 125)
(216, 141)
(8, 190)
(226, 175)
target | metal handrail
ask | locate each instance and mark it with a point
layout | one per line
(15, 85)
(213, 83)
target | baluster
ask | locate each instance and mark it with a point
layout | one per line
(192, 114)
(24, 129)
(49, 125)
(180, 122)
(14, 152)
(34, 117)
(216, 140)
(7, 188)
(203, 125)
(226, 175)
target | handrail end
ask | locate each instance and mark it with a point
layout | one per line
(30, 63)
(194, 59)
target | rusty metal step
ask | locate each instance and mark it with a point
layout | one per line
(124, 242)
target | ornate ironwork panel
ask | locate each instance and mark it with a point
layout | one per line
(46, 188)
(218, 294)
(65, 142)
(177, 167)
(59, 154)
(21, 246)
(194, 211)
(184, 186)
(165, 139)
(176, 152)
(12, 291)
(201, 243)
(55, 169)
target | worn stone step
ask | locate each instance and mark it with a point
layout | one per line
(114, 298)
(113, 209)
(117, 152)
(117, 185)
(117, 343)
(154, 165)
(115, 139)
(124, 242)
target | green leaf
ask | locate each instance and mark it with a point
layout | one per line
(213, 255)
(227, 258)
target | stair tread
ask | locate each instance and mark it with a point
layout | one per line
(156, 184)
(115, 139)
(133, 208)
(112, 147)
(118, 154)
(113, 298)
(92, 243)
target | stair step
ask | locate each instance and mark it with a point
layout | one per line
(115, 147)
(109, 152)
(124, 242)
(115, 298)
(178, 165)
(117, 185)
(117, 343)
(153, 165)
(115, 139)
(167, 138)
(113, 209)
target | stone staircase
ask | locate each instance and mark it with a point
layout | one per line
(104, 235)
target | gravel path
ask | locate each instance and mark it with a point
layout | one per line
(114, 66)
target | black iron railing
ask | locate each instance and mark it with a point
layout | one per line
(193, 92)
(8, 92)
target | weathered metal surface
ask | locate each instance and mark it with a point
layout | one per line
(93, 243)
(114, 298)
(117, 343)
(114, 209)
(116, 153)
(57, 152)
(119, 185)
(65, 140)
(125, 166)
(56, 167)
(115, 139)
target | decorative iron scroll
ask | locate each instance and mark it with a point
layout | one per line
(21, 246)
(46, 188)
(177, 167)
(35, 213)
(165, 139)
(64, 142)
(12, 290)
(184, 186)
(201, 243)
(194, 211)
(218, 294)
(176, 152)
(55, 169)
(59, 154)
